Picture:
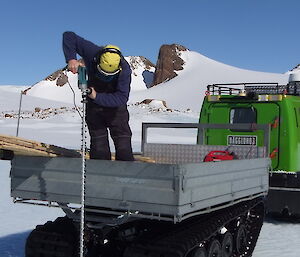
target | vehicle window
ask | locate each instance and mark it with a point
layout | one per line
(243, 115)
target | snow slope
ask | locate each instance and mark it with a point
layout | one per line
(49, 90)
(10, 100)
(186, 91)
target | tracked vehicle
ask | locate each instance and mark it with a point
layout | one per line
(262, 103)
(176, 205)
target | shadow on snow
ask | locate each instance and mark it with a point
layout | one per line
(13, 245)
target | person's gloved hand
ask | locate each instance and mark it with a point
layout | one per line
(73, 65)
(93, 94)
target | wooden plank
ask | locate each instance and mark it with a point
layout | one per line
(25, 147)
(22, 146)
(137, 157)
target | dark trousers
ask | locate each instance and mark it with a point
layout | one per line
(100, 120)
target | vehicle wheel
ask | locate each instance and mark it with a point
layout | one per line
(214, 249)
(227, 245)
(198, 252)
(241, 239)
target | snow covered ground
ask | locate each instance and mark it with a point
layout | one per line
(60, 125)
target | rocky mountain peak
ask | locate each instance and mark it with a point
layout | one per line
(140, 61)
(168, 62)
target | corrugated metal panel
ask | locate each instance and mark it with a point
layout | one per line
(181, 153)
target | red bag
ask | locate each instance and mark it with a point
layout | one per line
(214, 156)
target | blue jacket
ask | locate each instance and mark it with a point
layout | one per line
(73, 45)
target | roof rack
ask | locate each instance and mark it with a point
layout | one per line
(292, 88)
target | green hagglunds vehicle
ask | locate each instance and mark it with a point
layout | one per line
(261, 103)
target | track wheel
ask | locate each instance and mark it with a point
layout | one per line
(241, 239)
(214, 249)
(198, 252)
(227, 244)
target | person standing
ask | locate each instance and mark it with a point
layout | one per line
(109, 78)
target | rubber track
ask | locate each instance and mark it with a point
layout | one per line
(53, 239)
(179, 243)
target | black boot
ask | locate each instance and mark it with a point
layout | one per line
(123, 148)
(100, 148)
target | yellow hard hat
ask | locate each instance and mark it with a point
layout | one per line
(109, 61)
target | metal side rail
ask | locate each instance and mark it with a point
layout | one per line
(69, 210)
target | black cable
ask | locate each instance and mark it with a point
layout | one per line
(74, 96)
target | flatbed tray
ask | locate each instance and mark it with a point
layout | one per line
(159, 191)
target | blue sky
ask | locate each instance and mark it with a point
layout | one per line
(259, 35)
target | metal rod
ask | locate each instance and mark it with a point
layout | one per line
(19, 113)
(285, 189)
(83, 175)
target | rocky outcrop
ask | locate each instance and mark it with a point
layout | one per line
(137, 61)
(141, 66)
(169, 61)
(296, 68)
(154, 102)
